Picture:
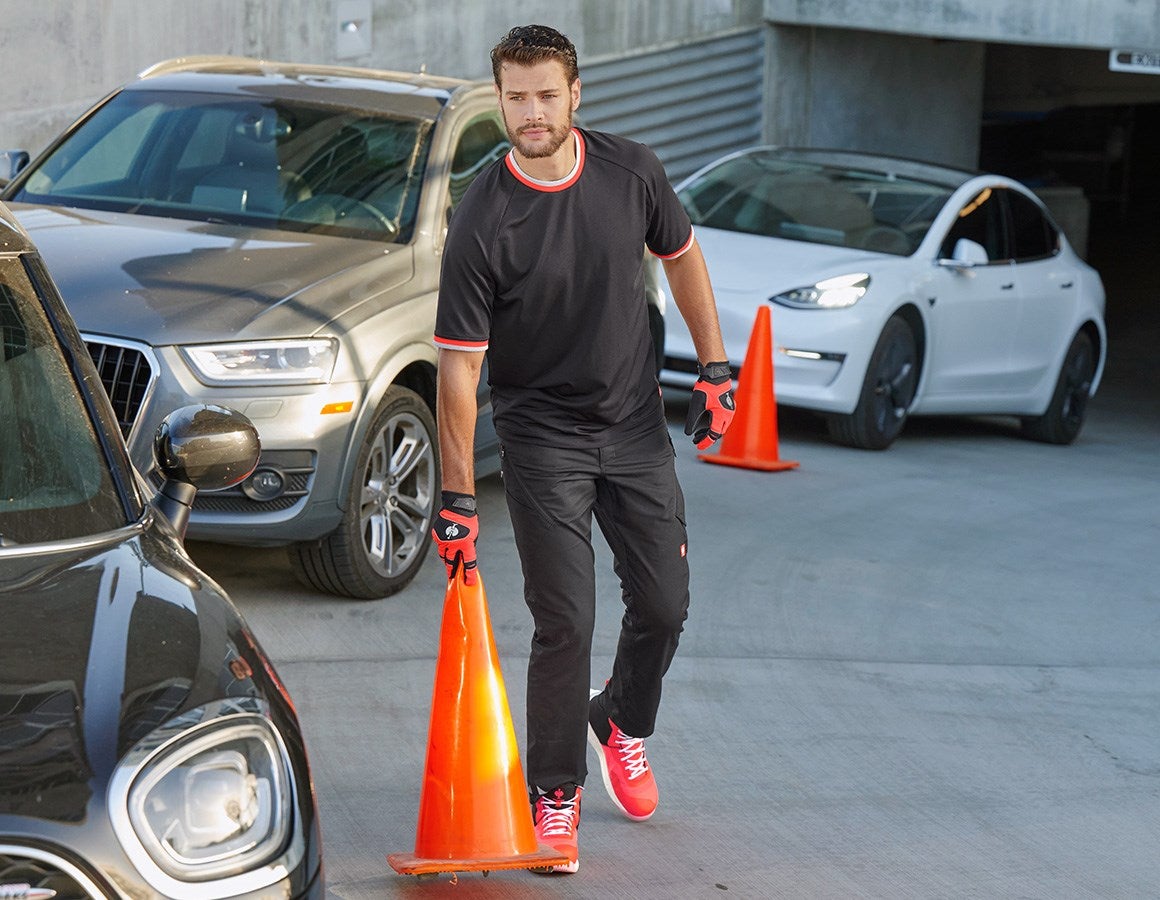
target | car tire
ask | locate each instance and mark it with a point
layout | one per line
(887, 392)
(386, 528)
(1064, 418)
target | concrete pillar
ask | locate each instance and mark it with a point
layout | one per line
(880, 93)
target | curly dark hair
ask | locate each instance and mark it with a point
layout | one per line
(526, 45)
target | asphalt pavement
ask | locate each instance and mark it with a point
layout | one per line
(929, 672)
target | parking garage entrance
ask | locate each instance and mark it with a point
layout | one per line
(1060, 116)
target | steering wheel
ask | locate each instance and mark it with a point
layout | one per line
(336, 209)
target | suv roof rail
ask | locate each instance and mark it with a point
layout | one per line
(233, 64)
(195, 63)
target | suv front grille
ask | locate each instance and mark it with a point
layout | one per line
(127, 374)
(46, 872)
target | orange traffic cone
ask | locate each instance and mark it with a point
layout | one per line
(474, 813)
(751, 441)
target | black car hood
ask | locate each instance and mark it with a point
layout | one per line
(172, 281)
(98, 647)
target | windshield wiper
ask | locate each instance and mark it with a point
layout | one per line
(6, 541)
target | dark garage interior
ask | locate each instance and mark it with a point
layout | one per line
(1058, 116)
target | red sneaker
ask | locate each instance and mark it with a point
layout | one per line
(556, 815)
(627, 775)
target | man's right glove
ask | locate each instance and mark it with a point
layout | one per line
(455, 531)
(711, 406)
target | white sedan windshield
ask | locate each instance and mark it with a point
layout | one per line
(759, 193)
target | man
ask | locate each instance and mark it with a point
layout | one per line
(543, 269)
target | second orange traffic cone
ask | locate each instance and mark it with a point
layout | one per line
(474, 813)
(751, 441)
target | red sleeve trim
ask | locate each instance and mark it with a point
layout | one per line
(681, 252)
(546, 187)
(449, 344)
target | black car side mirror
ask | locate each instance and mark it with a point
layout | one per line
(201, 448)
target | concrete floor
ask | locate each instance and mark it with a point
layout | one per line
(928, 672)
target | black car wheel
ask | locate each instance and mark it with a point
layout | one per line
(887, 392)
(1064, 418)
(385, 531)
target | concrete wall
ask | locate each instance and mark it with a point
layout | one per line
(881, 93)
(62, 55)
(897, 76)
(1077, 23)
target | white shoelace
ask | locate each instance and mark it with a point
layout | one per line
(557, 817)
(631, 752)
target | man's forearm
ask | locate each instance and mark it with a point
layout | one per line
(688, 279)
(456, 412)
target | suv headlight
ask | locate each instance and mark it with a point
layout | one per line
(304, 361)
(830, 293)
(207, 797)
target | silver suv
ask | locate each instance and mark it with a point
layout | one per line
(267, 237)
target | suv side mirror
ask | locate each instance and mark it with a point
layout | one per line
(11, 163)
(201, 448)
(967, 254)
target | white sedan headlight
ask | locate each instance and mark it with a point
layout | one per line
(830, 293)
(209, 797)
(304, 361)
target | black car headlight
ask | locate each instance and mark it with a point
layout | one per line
(830, 293)
(215, 805)
(207, 797)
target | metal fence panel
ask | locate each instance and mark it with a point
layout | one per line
(690, 102)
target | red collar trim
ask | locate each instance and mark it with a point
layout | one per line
(549, 187)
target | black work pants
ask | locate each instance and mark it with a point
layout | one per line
(631, 488)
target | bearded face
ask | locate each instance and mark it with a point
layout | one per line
(537, 104)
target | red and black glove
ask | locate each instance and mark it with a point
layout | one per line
(711, 406)
(455, 531)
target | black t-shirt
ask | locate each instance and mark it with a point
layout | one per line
(548, 278)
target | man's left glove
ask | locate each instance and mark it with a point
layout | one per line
(455, 531)
(711, 406)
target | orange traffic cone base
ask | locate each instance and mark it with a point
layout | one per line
(747, 462)
(410, 864)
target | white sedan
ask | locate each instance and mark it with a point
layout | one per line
(896, 288)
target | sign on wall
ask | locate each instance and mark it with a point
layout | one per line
(1142, 62)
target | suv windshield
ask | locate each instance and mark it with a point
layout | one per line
(240, 160)
(760, 194)
(55, 481)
